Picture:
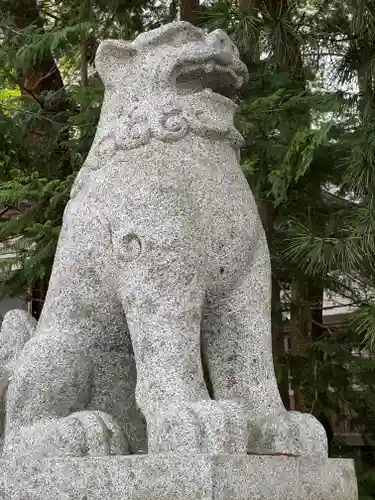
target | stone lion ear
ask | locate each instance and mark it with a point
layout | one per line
(168, 34)
(112, 56)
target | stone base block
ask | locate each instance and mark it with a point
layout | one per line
(176, 477)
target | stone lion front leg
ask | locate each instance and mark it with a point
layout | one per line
(162, 294)
(237, 340)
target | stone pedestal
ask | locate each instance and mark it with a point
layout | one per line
(176, 477)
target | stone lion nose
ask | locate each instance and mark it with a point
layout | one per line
(225, 50)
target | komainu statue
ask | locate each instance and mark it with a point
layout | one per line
(162, 257)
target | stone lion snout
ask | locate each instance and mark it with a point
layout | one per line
(226, 53)
(223, 46)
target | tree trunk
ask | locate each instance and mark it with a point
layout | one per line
(173, 10)
(298, 319)
(84, 71)
(278, 340)
(248, 6)
(38, 295)
(306, 323)
(45, 74)
(189, 11)
(315, 300)
(299, 332)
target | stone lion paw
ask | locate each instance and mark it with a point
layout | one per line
(85, 433)
(199, 427)
(288, 433)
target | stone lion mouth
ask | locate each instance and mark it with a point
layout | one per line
(223, 79)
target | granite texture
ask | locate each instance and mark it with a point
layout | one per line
(81, 434)
(111, 381)
(16, 329)
(163, 477)
(162, 254)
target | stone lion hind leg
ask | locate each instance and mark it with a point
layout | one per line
(46, 403)
(238, 348)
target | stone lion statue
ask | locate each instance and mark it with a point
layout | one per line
(162, 255)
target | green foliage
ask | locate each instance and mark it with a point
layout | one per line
(35, 46)
(366, 485)
(31, 238)
(297, 159)
(334, 380)
(362, 321)
(43, 150)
